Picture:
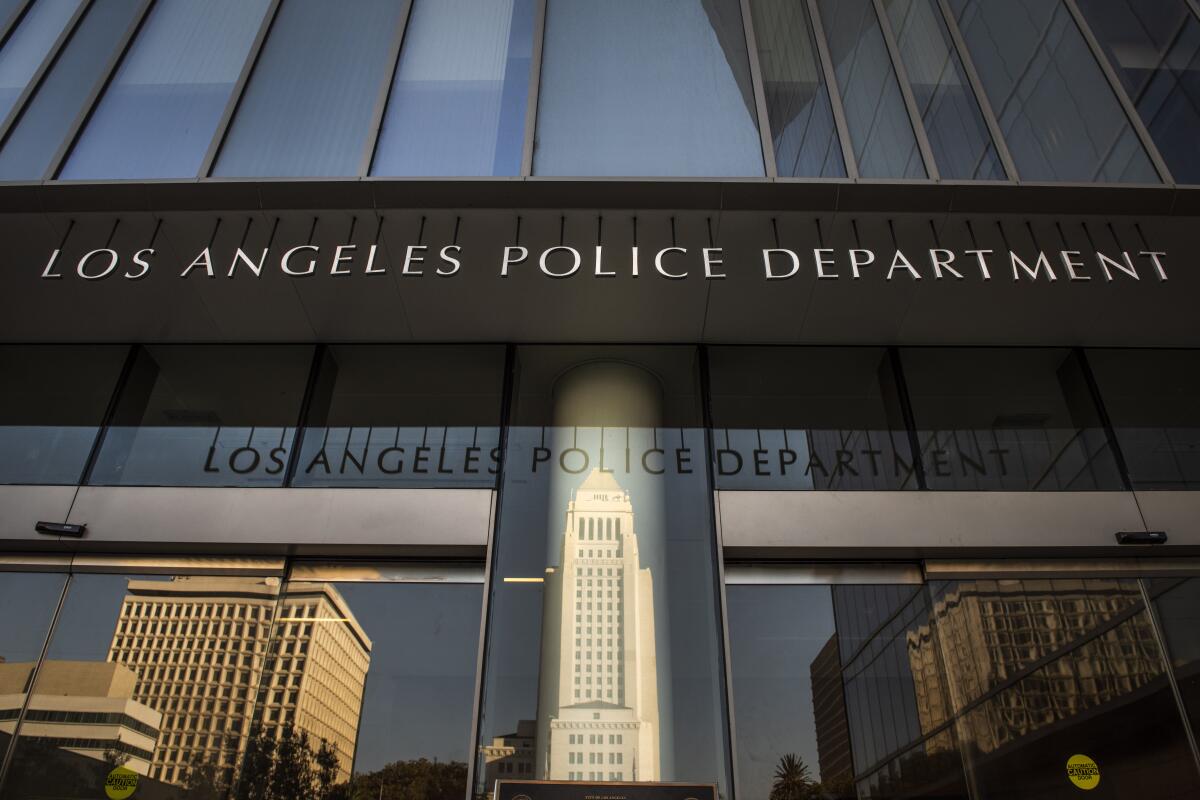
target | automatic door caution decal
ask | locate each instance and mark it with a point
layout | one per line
(1083, 772)
(120, 783)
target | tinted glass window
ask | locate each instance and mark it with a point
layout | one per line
(1043, 672)
(1177, 605)
(880, 128)
(205, 416)
(632, 88)
(404, 416)
(28, 45)
(158, 115)
(1056, 110)
(815, 711)
(807, 418)
(958, 136)
(308, 106)
(392, 666)
(457, 104)
(1153, 401)
(22, 637)
(1015, 420)
(1155, 49)
(153, 674)
(802, 128)
(47, 117)
(603, 654)
(51, 405)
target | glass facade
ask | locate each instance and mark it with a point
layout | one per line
(160, 111)
(29, 44)
(610, 649)
(44, 122)
(880, 129)
(965, 688)
(603, 646)
(205, 416)
(1055, 108)
(666, 88)
(808, 418)
(48, 428)
(620, 98)
(457, 103)
(797, 97)
(430, 416)
(310, 99)
(338, 681)
(1152, 399)
(958, 135)
(1155, 50)
(1017, 420)
(404, 416)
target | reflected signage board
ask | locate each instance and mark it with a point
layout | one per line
(580, 790)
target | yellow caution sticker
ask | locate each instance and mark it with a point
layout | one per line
(120, 783)
(1083, 772)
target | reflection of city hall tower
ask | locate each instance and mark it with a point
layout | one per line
(196, 645)
(598, 715)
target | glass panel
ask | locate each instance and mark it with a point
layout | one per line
(805, 139)
(1177, 605)
(205, 416)
(604, 652)
(1155, 49)
(46, 119)
(880, 129)
(1011, 420)
(308, 106)
(22, 636)
(807, 418)
(899, 746)
(159, 113)
(48, 425)
(153, 674)
(457, 105)
(404, 416)
(1056, 110)
(631, 88)
(28, 45)
(1153, 402)
(958, 136)
(815, 711)
(391, 668)
(1055, 680)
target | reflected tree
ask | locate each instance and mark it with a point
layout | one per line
(287, 768)
(793, 781)
(420, 779)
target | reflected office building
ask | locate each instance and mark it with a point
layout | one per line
(198, 648)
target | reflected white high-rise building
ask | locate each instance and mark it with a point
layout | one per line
(598, 716)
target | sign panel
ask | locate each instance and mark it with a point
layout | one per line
(578, 790)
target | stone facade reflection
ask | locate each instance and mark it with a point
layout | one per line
(599, 715)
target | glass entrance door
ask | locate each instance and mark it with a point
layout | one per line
(971, 683)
